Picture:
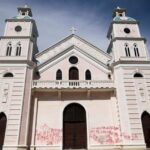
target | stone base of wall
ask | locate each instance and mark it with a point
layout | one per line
(104, 147)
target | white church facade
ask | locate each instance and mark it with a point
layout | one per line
(73, 95)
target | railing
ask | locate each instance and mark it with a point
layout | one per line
(73, 84)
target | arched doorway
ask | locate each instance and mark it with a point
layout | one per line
(74, 127)
(146, 128)
(73, 73)
(3, 121)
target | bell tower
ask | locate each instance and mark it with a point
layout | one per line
(126, 42)
(17, 63)
(20, 31)
(130, 66)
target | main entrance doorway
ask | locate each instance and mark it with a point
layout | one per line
(146, 128)
(3, 121)
(74, 127)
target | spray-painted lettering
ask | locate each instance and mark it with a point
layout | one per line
(110, 135)
(48, 136)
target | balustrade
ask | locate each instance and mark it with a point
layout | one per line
(73, 84)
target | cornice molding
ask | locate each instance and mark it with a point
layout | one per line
(20, 20)
(125, 38)
(125, 22)
(28, 62)
(130, 62)
(17, 37)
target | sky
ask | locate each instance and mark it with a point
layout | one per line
(91, 18)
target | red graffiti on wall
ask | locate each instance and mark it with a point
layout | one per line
(105, 135)
(48, 136)
(110, 135)
(132, 137)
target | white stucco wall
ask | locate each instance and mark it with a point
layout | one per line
(50, 118)
(26, 48)
(48, 72)
(119, 30)
(119, 50)
(11, 104)
(10, 28)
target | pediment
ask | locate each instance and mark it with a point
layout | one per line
(65, 44)
(73, 51)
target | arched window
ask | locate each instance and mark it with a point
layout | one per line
(18, 49)
(9, 74)
(109, 76)
(136, 51)
(138, 75)
(59, 75)
(146, 128)
(74, 127)
(73, 73)
(127, 50)
(3, 122)
(9, 49)
(87, 75)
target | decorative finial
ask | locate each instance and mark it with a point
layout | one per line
(118, 7)
(73, 30)
(25, 6)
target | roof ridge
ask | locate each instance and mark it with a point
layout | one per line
(68, 37)
(67, 50)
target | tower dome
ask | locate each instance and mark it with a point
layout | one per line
(123, 18)
(120, 15)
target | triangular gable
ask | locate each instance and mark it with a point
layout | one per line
(68, 42)
(45, 65)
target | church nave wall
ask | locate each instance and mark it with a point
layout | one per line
(48, 129)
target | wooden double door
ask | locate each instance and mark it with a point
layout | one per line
(146, 128)
(3, 121)
(74, 127)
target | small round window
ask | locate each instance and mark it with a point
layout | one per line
(73, 59)
(18, 28)
(127, 30)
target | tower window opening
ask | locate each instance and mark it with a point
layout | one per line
(111, 37)
(109, 76)
(18, 50)
(136, 51)
(127, 30)
(120, 14)
(127, 50)
(23, 13)
(9, 49)
(18, 28)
